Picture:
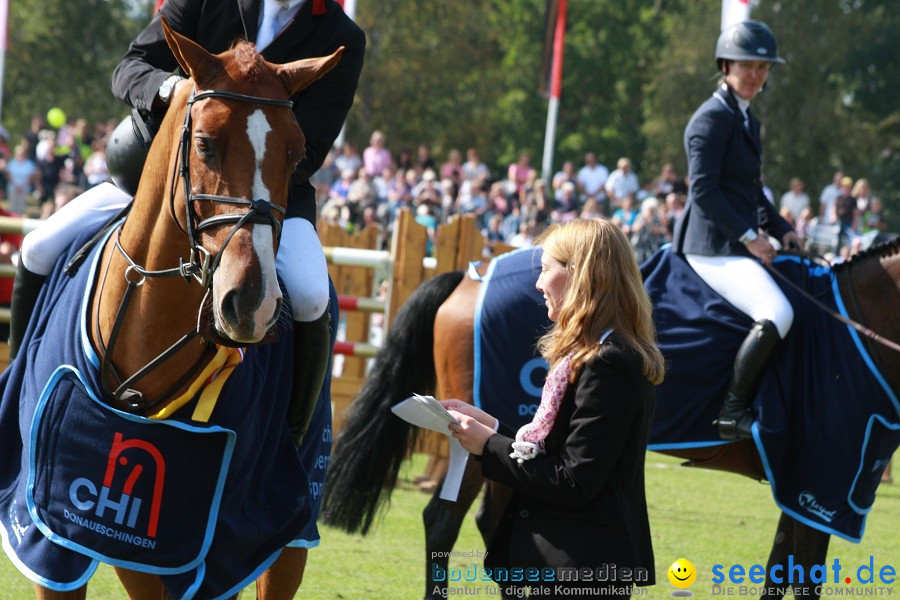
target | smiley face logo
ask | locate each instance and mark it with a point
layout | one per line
(682, 573)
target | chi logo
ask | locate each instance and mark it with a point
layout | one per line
(121, 505)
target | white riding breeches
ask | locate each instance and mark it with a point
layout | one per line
(745, 283)
(300, 260)
(42, 247)
(301, 263)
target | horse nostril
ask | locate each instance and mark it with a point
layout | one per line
(277, 312)
(231, 308)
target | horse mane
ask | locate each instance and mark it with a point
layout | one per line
(883, 249)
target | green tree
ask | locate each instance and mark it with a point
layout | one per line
(467, 74)
(833, 105)
(62, 53)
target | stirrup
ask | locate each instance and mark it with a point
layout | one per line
(740, 428)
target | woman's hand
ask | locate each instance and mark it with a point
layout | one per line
(762, 249)
(469, 410)
(472, 435)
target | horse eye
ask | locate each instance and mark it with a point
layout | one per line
(204, 146)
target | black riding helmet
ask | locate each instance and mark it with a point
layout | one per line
(747, 40)
(127, 151)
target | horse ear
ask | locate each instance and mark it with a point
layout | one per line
(300, 74)
(199, 64)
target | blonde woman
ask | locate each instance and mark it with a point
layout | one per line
(577, 470)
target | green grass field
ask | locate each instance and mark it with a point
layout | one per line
(706, 517)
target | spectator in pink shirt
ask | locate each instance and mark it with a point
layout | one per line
(376, 158)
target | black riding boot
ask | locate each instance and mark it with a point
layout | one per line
(312, 349)
(25, 292)
(735, 420)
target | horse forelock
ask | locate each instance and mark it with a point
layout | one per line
(244, 61)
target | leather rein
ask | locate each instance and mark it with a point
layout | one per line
(200, 266)
(859, 327)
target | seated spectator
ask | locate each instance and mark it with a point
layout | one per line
(362, 191)
(873, 217)
(425, 217)
(674, 207)
(347, 158)
(648, 233)
(846, 212)
(474, 200)
(493, 232)
(795, 199)
(340, 189)
(95, 171)
(591, 178)
(424, 161)
(666, 182)
(863, 194)
(567, 204)
(566, 174)
(22, 177)
(473, 168)
(520, 174)
(625, 216)
(322, 179)
(621, 182)
(591, 209)
(376, 158)
(828, 197)
(452, 168)
(803, 224)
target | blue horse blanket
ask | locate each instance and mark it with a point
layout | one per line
(510, 316)
(827, 422)
(207, 506)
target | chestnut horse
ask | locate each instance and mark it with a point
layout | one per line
(208, 210)
(429, 349)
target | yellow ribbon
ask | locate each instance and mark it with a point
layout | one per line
(219, 369)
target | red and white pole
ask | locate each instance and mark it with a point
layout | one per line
(559, 35)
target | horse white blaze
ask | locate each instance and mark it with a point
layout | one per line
(258, 128)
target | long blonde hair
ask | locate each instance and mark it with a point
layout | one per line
(605, 290)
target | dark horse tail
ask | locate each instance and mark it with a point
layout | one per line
(373, 442)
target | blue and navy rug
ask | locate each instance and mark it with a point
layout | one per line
(827, 422)
(207, 506)
(509, 318)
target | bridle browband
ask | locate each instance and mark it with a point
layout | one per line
(201, 264)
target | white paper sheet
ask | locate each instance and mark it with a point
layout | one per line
(427, 413)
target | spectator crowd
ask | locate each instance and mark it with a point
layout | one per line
(48, 166)
(357, 189)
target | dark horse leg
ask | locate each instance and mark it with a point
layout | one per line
(443, 520)
(807, 547)
(493, 505)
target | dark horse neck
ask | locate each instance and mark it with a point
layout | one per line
(869, 284)
(162, 309)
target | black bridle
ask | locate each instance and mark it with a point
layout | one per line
(200, 266)
(260, 210)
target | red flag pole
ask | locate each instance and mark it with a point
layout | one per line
(4, 41)
(555, 92)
